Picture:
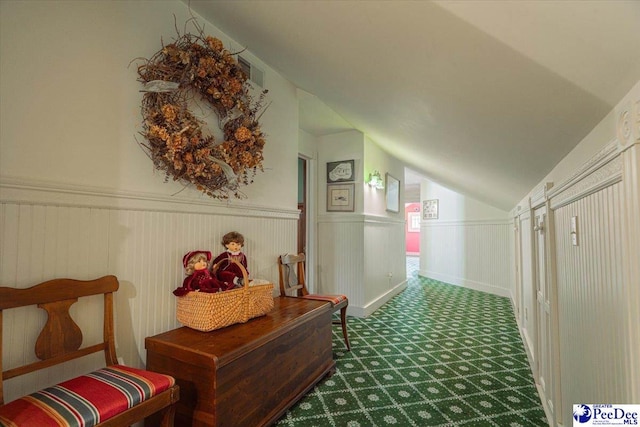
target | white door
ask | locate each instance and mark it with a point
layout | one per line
(544, 318)
(518, 267)
(528, 306)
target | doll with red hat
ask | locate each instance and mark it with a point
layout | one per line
(196, 267)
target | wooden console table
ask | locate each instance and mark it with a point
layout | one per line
(246, 374)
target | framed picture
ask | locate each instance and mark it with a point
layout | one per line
(340, 171)
(392, 188)
(340, 197)
(430, 209)
(413, 222)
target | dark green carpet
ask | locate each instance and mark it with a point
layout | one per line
(435, 355)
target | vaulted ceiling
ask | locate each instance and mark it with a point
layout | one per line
(484, 97)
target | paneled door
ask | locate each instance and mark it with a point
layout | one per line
(544, 318)
(518, 267)
(528, 308)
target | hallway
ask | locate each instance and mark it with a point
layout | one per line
(435, 355)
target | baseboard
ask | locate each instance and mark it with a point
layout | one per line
(466, 283)
(528, 347)
(545, 406)
(368, 309)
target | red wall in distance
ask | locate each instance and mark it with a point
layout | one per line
(412, 238)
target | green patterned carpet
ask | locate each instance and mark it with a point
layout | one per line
(435, 355)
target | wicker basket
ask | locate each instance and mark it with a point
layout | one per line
(209, 311)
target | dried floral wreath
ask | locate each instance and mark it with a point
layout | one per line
(178, 144)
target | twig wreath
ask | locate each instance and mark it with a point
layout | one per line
(178, 144)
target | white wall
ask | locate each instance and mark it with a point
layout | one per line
(594, 293)
(340, 146)
(380, 160)
(468, 244)
(78, 196)
(360, 253)
(454, 206)
(385, 263)
(307, 144)
(341, 234)
(603, 133)
(71, 100)
(412, 193)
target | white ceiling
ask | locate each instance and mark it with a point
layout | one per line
(484, 97)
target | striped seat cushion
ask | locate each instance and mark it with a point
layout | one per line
(86, 400)
(333, 299)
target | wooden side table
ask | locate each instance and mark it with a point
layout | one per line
(246, 374)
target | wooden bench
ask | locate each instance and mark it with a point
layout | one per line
(246, 374)
(116, 395)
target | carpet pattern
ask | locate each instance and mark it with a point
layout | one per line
(435, 355)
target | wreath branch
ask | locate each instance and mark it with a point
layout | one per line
(199, 65)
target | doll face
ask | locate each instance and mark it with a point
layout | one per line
(201, 264)
(234, 246)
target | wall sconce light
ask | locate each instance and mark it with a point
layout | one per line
(375, 180)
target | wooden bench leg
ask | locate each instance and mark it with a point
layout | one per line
(343, 319)
(168, 415)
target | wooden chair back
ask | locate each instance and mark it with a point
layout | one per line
(292, 283)
(292, 278)
(60, 339)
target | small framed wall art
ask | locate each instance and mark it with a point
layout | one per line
(430, 209)
(341, 171)
(392, 188)
(340, 197)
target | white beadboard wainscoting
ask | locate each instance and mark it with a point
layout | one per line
(363, 257)
(592, 295)
(385, 272)
(578, 263)
(474, 254)
(597, 279)
(47, 233)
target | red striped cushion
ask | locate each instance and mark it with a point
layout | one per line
(333, 299)
(86, 400)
